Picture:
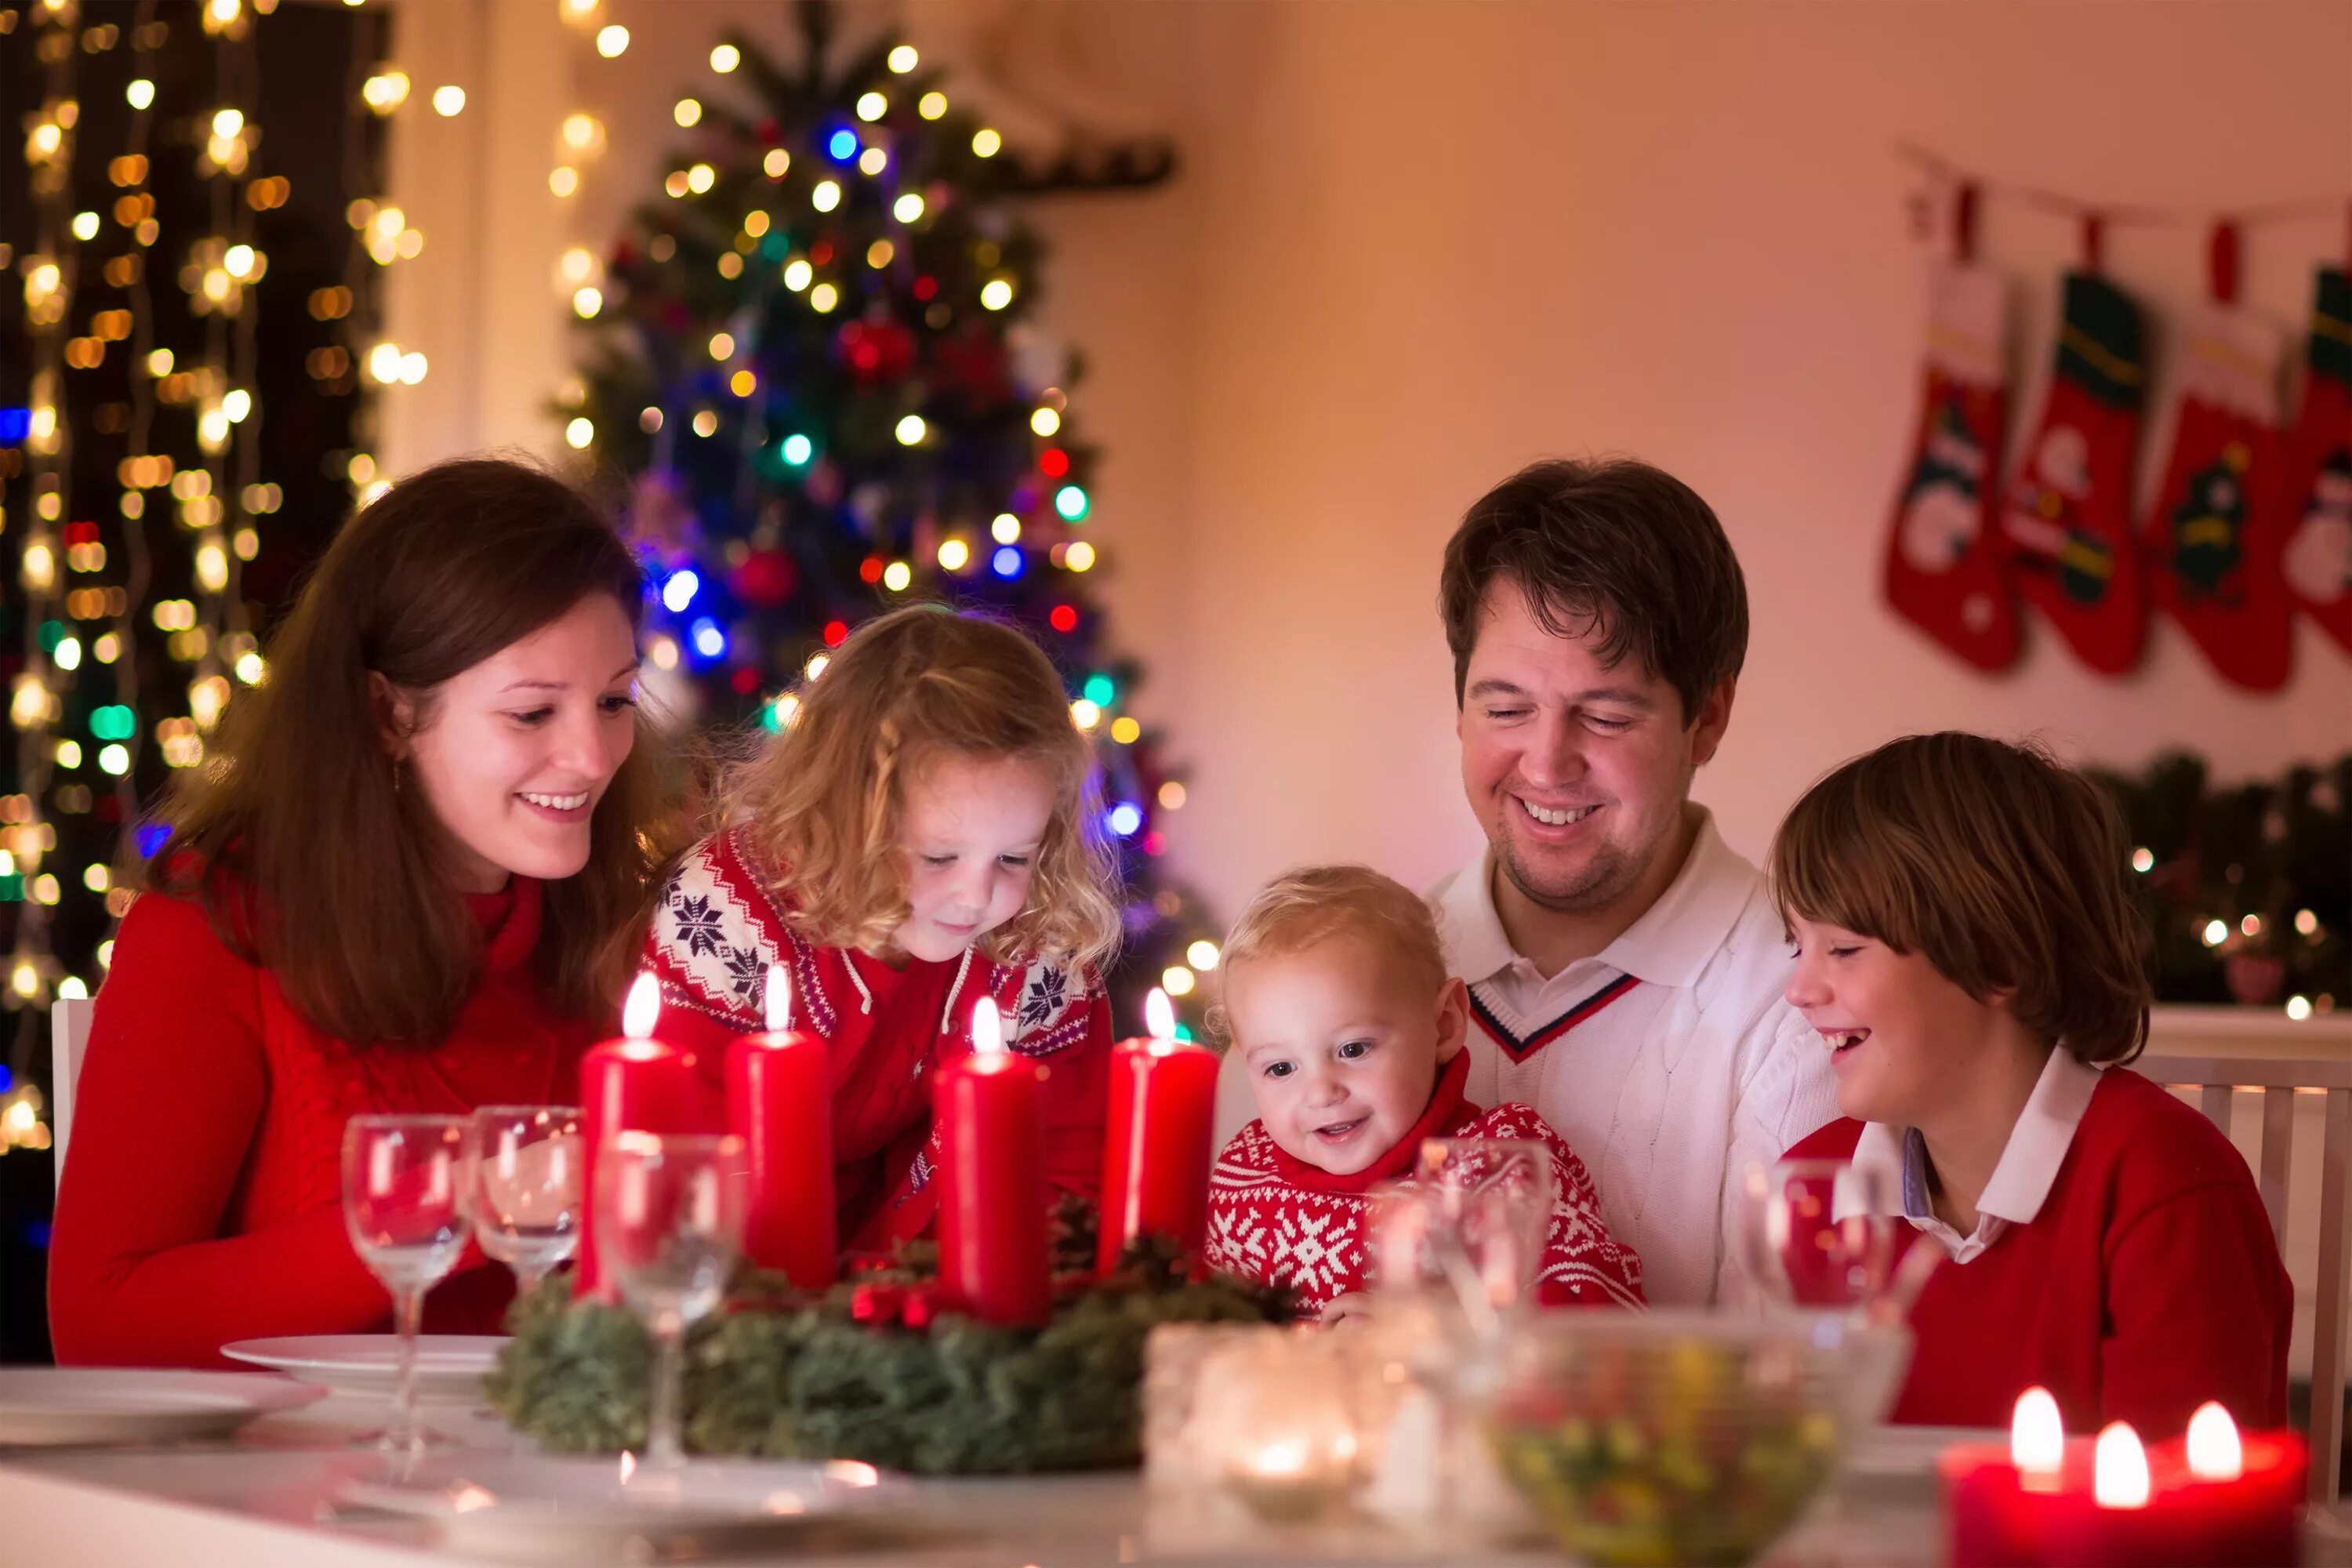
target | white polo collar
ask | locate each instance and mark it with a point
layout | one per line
(2021, 1177)
(1669, 945)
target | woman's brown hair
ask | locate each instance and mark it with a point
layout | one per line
(2002, 866)
(821, 804)
(295, 838)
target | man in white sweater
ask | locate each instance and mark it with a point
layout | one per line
(1625, 967)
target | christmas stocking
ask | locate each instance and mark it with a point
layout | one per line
(1943, 569)
(2211, 542)
(2067, 527)
(2314, 495)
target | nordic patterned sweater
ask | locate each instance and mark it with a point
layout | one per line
(721, 922)
(1278, 1220)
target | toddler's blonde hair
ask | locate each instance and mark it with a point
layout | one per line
(1310, 905)
(824, 804)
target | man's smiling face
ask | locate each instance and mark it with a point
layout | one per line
(1578, 770)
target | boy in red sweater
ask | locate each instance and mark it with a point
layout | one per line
(1336, 997)
(1968, 955)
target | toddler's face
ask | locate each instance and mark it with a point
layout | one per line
(971, 834)
(1342, 1045)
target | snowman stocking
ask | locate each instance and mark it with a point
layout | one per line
(1943, 570)
(2212, 540)
(2068, 525)
(2316, 491)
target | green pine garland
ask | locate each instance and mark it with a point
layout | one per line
(782, 1375)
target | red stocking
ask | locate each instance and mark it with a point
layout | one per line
(2211, 538)
(2068, 524)
(2316, 489)
(1943, 570)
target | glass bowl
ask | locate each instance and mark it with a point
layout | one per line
(1681, 1436)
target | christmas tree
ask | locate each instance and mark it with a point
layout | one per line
(816, 355)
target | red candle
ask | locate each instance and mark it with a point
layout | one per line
(2207, 1500)
(989, 1108)
(1163, 1100)
(633, 1083)
(780, 1104)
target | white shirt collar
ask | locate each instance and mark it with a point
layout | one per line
(2021, 1177)
(1670, 943)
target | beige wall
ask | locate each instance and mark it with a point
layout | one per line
(1416, 245)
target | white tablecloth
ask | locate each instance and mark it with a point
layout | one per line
(267, 1500)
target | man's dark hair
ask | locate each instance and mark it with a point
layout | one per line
(1613, 548)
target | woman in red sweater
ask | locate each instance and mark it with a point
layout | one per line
(923, 835)
(393, 898)
(1969, 955)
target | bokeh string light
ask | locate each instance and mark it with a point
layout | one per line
(41, 501)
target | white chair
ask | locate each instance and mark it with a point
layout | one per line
(2216, 1080)
(68, 1037)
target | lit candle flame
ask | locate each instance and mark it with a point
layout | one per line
(2214, 1452)
(1159, 1015)
(643, 1007)
(628, 1460)
(779, 999)
(2037, 1436)
(2119, 1469)
(987, 1029)
(1285, 1458)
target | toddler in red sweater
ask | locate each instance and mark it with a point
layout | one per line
(1968, 952)
(921, 836)
(1336, 997)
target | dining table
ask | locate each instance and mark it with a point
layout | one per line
(276, 1494)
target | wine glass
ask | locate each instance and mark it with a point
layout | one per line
(1472, 1218)
(404, 1207)
(1824, 1233)
(528, 1174)
(669, 1220)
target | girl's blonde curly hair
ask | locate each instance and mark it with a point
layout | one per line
(823, 805)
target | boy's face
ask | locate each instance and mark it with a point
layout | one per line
(1578, 770)
(1342, 1045)
(1904, 1040)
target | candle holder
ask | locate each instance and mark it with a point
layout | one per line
(1268, 1418)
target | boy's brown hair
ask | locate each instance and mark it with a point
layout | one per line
(1614, 548)
(2002, 866)
(1310, 905)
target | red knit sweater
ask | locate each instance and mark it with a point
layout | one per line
(2147, 1284)
(720, 924)
(1276, 1219)
(202, 1201)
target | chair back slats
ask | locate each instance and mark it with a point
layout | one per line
(2278, 1149)
(2327, 1321)
(2216, 1078)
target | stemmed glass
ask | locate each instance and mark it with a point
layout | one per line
(1827, 1235)
(669, 1220)
(404, 1207)
(529, 1176)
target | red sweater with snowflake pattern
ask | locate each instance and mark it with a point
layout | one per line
(720, 924)
(203, 1195)
(1278, 1220)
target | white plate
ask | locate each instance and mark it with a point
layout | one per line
(448, 1366)
(543, 1506)
(53, 1406)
